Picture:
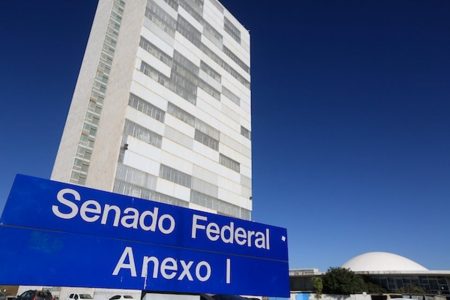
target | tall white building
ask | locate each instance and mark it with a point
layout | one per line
(161, 109)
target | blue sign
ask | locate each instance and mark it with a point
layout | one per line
(84, 237)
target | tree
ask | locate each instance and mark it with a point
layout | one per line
(342, 281)
(318, 286)
(373, 288)
(411, 290)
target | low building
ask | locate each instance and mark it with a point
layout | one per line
(392, 272)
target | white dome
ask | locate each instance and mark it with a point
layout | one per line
(382, 261)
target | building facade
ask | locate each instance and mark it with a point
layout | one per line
(387, 272)
(162, 108)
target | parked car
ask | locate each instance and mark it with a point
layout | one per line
(76, 296)
(35, 295)
(122, 297)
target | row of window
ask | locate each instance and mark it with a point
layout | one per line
(137, 183)
(148, 181)
(204, 133)
(183, 81)
(133, 182)
(126, 188)
(236, 59)
(224, 65)
(176, 83)
(195, 9)
(92, 117)
(163, 20)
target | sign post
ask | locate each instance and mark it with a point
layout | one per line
(65, 235)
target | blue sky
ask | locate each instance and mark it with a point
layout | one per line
(351, 127)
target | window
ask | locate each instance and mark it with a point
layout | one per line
(161, 18)
(212, 34)
(204, 187)
(175, 176)
(232, 30)
(194, 8)
(179, 81)
(86, 141)
(207, 129)
(224, 65)
(142, 133)
(209, 89)
(236, 59)
(188, 31)
(155, 51)
(245, 132)
(172, 3)
(78, 178)
(180, 114)
(147, 108)
(220, 206)
(92, 118)
(89, 129)
(183, 61)
(210, 71)
(229, 163)
(81, 165)
(84, 153)
(94, 107)
(126, 188)
(206, 140)
(154, 74)
(135, 176)
(230, 95)
(217, 5)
